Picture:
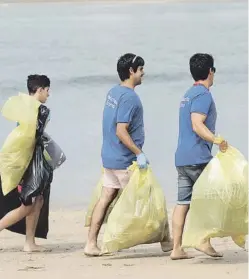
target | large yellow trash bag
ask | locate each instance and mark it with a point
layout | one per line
(95, 197)
(18, 148)
(219, 206)
(139, 216)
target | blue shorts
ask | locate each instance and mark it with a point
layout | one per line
(187, 176)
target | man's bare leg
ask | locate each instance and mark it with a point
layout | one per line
(208, 249)
(15, 216)
(167, 243)
(178, 222)
(31, 224)
(99, 212)
(178, 253)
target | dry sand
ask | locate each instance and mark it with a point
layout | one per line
(66, 259)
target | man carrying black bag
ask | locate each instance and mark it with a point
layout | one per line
(31, 198)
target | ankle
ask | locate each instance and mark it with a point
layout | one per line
(206, 242)
(30, 241)
(91, 243)
(177, 247)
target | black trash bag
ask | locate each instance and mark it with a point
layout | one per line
(36, 180)
(12, 201)
(39, 173)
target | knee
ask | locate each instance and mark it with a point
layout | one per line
(25, 210)
(108, 195)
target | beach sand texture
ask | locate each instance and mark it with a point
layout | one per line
(66, 259)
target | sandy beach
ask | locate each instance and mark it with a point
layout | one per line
(65, 257)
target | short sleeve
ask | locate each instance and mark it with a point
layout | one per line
(126, 110)
(201, 103)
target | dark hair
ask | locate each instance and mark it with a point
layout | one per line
(37, 81)
(200, 65)
(127, 61)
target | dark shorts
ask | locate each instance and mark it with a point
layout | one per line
(187, 176)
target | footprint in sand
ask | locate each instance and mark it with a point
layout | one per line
(32, 268)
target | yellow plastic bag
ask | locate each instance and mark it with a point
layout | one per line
(18, 148)
(219, 206)
(139, 216)
(95, 197)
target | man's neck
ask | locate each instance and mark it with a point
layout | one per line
(204, 83)
(128, 83)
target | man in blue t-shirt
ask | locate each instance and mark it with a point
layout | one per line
(123, 139)
(197, 119)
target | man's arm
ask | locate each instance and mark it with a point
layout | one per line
(200, 128)
(126, 110)
(125, 114)
(199, 110)
(123, 134)
(202, 131)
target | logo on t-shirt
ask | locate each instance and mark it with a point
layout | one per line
(183, 102)
(111, 102)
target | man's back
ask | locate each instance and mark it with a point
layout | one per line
(122, 106)
(191, 149)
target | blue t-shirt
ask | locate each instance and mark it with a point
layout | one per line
(122, 105)
(191, 149)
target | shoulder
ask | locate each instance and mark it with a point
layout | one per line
(129, 95)
(199, 92)
(119, 91)
(196, 91)
(120, 95)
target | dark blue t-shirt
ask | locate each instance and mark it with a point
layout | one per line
(122, 105)
(191, 149)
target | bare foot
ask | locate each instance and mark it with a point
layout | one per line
(167, 246)
(180, 255)
(106, 254)
(34, 248)
(207, 249)
(92, 250)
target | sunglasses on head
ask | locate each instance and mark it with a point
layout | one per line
(134, 59)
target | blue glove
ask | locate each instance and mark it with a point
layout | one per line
(142, 161)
